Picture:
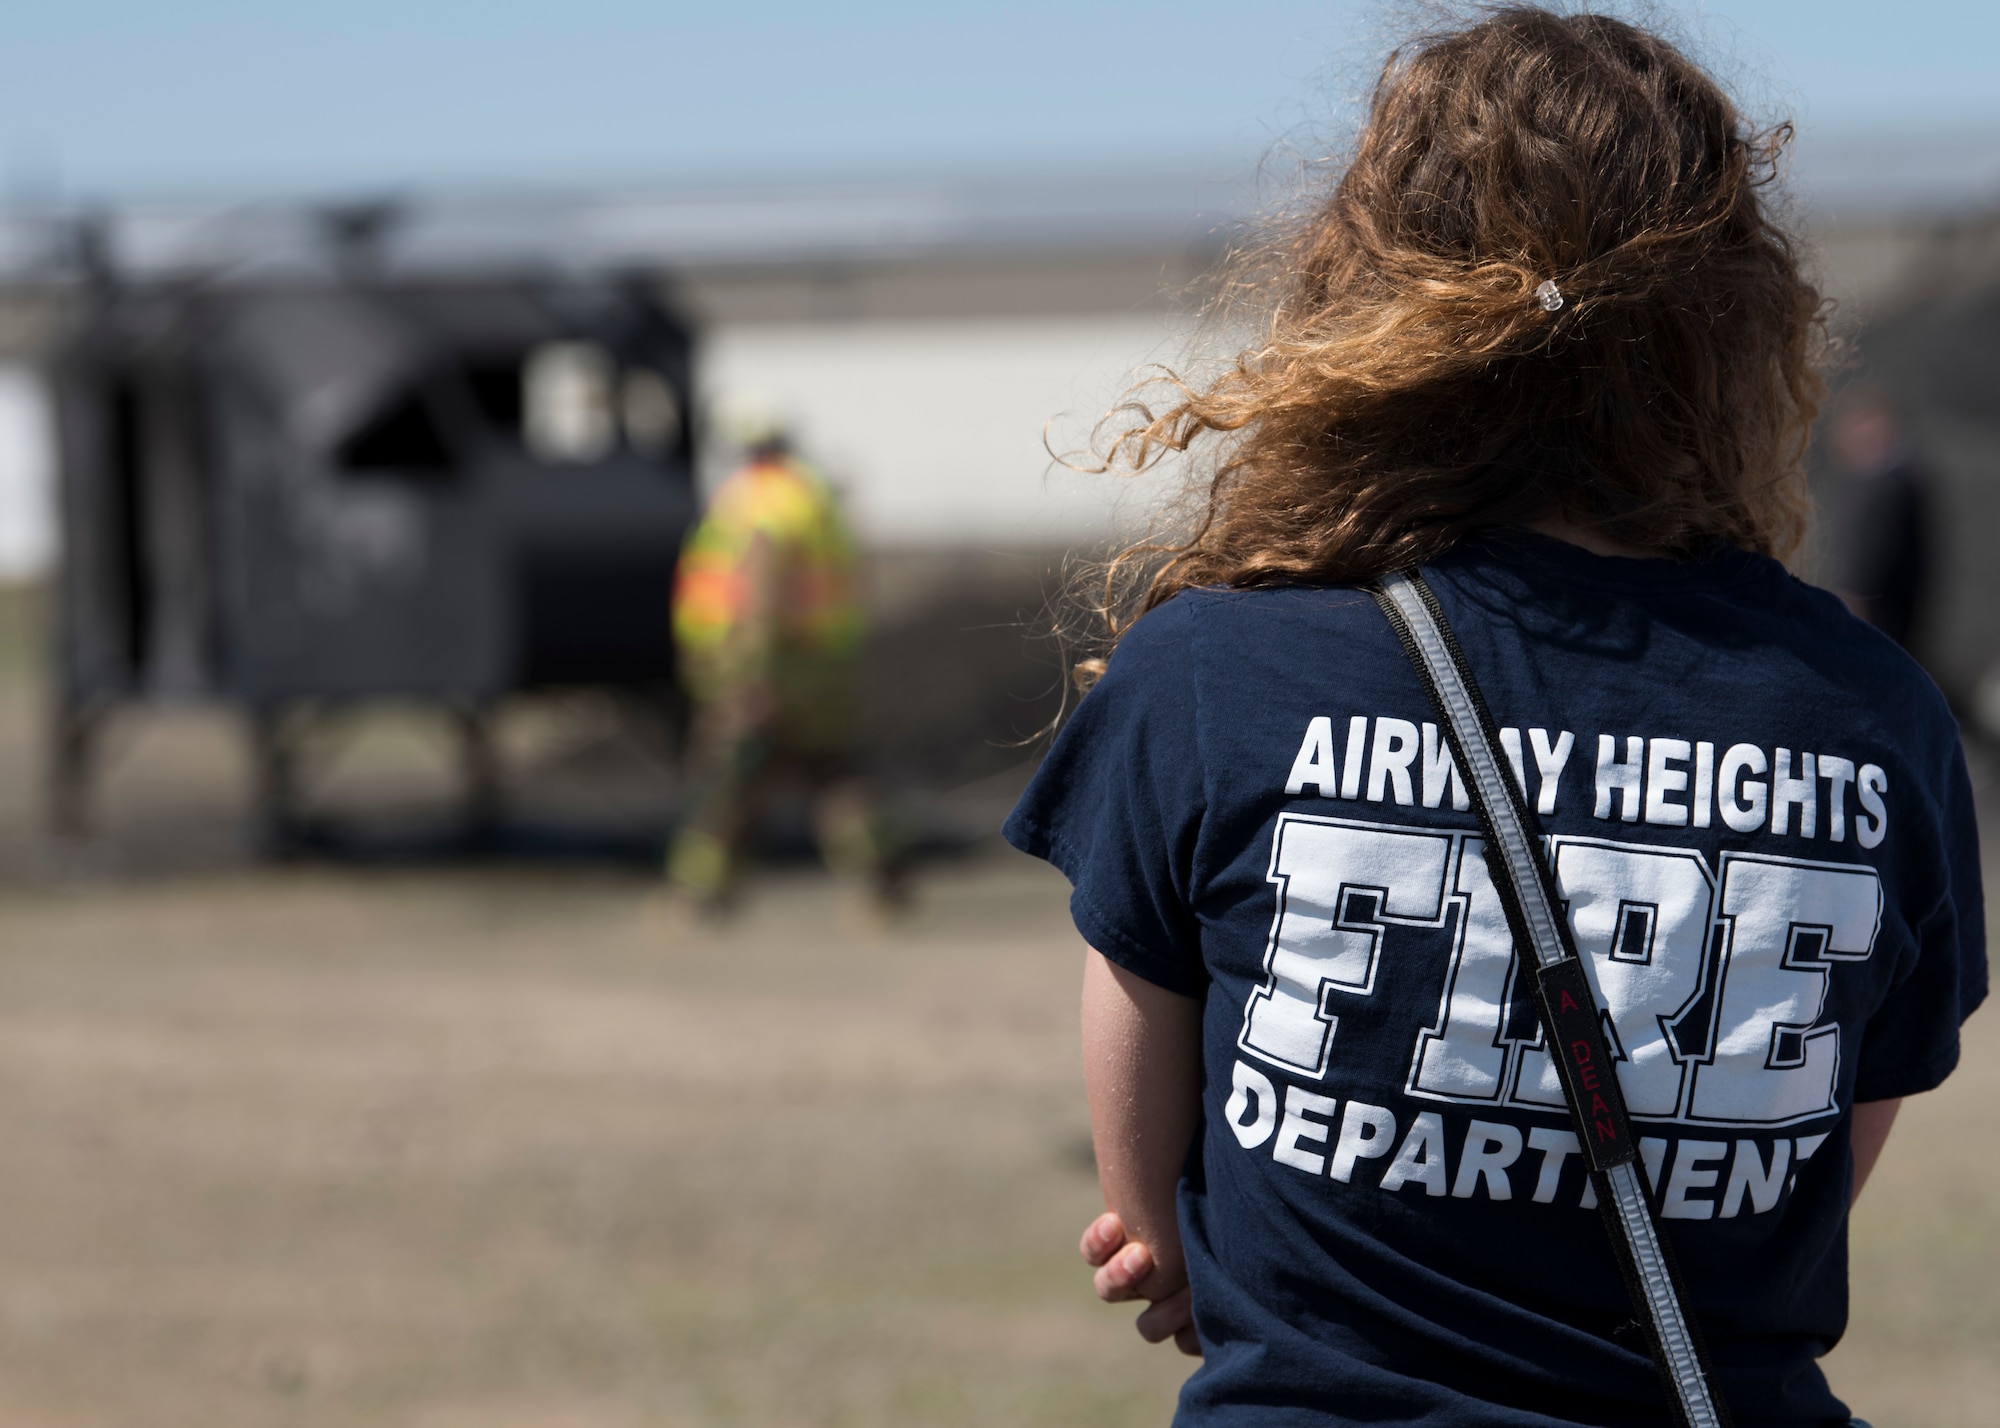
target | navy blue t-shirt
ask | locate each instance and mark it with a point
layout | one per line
(1762, 830)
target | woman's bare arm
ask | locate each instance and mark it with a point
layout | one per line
(1872, 1120)
(1142, 1067)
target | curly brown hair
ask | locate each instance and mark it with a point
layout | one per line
(1410, 388)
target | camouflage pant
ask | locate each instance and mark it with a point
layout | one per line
(743, 744)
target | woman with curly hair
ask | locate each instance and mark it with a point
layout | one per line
(1545, 344)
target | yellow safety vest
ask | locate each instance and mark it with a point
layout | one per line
(818, 609)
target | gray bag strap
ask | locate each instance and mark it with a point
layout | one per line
(1571, 1021)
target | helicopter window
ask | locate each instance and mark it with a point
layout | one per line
(651, 410)
(496, 392)
(568, 415)
(403, 436)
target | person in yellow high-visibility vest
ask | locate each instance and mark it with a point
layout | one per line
(767, 623)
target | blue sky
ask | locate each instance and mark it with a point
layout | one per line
(126, 98)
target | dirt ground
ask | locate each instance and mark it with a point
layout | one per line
(323, 1146)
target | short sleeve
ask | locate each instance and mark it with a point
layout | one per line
(1911, 1043)
(1118, 803)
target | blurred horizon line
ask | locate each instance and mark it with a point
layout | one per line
(881, 211)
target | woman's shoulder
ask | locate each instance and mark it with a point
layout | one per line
(1205, 610)
(1848, 651)
(1210, 632)
(1742, 608)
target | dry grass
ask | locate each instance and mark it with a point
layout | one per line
(313, 1149)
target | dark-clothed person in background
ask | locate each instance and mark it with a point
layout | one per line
(1883, 551)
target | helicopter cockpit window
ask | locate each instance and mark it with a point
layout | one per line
(569, 402)
(567, 398)
(495, 385)
(651, 411)
(402, 437)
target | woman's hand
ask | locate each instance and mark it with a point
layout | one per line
(1125, 1271)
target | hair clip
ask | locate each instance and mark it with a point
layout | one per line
(1549, 295)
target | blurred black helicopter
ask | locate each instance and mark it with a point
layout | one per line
(294, 493)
